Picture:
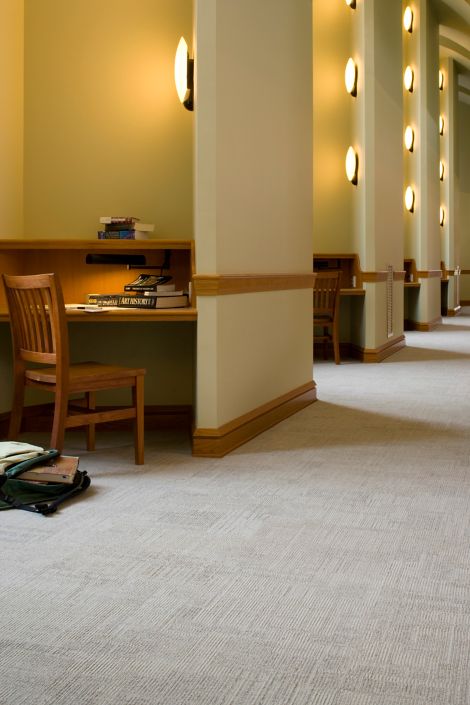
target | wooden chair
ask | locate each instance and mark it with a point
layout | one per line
(326, 310)
(39, 335)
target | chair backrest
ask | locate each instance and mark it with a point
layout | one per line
(37, 319)
(326, 293)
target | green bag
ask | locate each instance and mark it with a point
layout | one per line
(40, 498)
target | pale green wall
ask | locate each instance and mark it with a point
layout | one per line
(104, 134)
(464, 195)
(11, 118)
(104, 131)
(11, 153)
(421, 111)
(333, 127)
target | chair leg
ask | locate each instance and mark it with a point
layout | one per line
(58, 426)
(17, 406)
(138, 403)
(336, 344)
(90, 398)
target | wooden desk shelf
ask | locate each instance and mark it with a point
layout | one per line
(411, 272)
(350, 272)
(68, 259)
(352, 292)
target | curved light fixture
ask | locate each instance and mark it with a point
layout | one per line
(441, 125)
(184, 75)
(350, 77)
(410, 199)
(441, 80)
(408, 79)
(352, 165)
(408, 19)
(441, 170)
(442, 216)
(409, 138)
(351, 3)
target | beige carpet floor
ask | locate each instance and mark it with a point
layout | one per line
(326, 562)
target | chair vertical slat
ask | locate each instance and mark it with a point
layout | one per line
(32, 326)
(45, 319)
(325, 309)
(21, 316)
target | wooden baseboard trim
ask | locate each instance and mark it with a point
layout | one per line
(380, 353)
(454, 311)
(423, 326)
(38, 419)
(217, 442)
(356, 352)
(464, 302)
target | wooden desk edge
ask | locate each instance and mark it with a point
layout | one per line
(352, 292)
(160, 315)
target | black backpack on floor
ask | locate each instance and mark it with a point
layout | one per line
(38, 497)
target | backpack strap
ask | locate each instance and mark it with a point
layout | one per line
(47, 507)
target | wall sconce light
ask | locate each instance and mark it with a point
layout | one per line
(351, 4)
(442, 216)
(441, 170)
(352, 165)
(184, 75)
(408, 79)
(441, 81)
(410, 199)
(350, 77)
(408, 19)
(409, 138)
(441, 125)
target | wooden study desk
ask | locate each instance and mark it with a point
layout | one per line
(166, 349)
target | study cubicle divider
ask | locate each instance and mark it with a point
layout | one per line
(348, 265)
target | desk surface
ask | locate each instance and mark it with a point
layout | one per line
(126, 314)
(352, 292)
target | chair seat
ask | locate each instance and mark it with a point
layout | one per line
(321, 320)
(82, 373)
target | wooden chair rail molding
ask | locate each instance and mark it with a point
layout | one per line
(381, 276)
(428, 273)
(226, 284)
(352, 276)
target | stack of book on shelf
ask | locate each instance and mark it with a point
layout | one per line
(123, 227)
(148, 291)
(61, 469)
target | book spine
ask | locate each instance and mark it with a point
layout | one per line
(136, 287)
(121, 300)
(116, 234)
(118, 220)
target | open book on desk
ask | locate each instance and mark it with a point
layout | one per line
(90, 308)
